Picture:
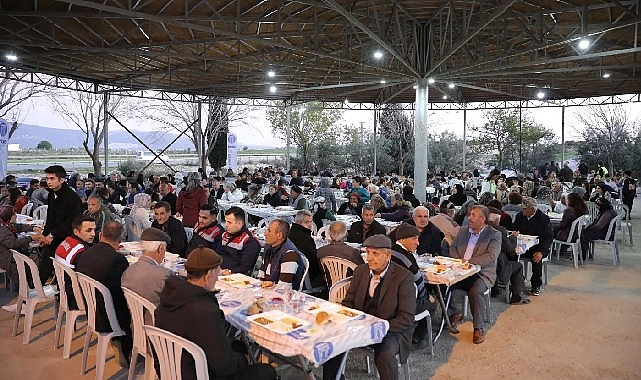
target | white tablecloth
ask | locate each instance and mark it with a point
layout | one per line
(315, 343)
(264, 211)
(454, 273)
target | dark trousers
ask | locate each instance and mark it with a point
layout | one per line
(45, 266)
(384, 358)
(256, 372)
(537, 269)
(475, 287)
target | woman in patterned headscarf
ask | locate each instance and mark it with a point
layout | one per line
(140, 214)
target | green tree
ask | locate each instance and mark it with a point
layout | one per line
(608, 134)
(397, 132)
(308, 126)
(44, 145)
(512, 145)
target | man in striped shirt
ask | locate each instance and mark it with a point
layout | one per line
(282, 262)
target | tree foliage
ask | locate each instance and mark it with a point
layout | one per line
(308, 126)
(12, 94)
(512, 145)
(86, 112)
(609, 136)
(397, 132)
(44, 145)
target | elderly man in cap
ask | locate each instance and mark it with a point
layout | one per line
(189, 308)
(403, 251)
(146, 276)
(479, 244)
(296, 198)
(384, 289)
(532, 221)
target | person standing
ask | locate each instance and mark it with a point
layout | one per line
(190, 199)
(629, 190)
(63, 205)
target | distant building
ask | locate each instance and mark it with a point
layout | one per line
(14, 147)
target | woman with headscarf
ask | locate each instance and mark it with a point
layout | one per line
(140, 214)
(399, 211)
(352, 206)
(326, 192)
(599, 228)
(321, 212)
(190, 199)
(231, 194)
(460, 217)
(408, 195)
(9, 240)
(576, 207)
(458, 196)
(378, 203)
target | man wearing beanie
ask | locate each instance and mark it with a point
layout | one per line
(384, 289)
(403, 251)
(189, 308)
(146, 276)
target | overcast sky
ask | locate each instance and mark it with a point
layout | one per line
(39, 112)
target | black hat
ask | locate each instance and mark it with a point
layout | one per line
(406, 230)
(377, 241)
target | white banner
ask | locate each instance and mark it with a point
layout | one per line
(4, 139)
(232, 152)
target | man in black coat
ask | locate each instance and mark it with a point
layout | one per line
(430, 237)
(531, 221)
(103, 263)
(300, 234)
(63, 205)
(366, 227)
(172, 227)
(190, 309)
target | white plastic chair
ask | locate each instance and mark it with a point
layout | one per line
(30, 297)
(512, 215)
(425, 314)
(575, 230)
(336, 267)
(60, 266)
(610, 239)
(169, 348)
(486, 295)
(189, 232)
(545, 208)
(593, 211)
(40, 213)
(323, 232)
(338, 291)
(139, 307)
(625, 223)
(89, 288)
(26, 209)
(263, 223)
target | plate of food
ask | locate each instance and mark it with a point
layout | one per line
(438, 269)
(238, 280)
(278, 322)
(285, 208)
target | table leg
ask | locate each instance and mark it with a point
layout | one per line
(445, 319)
(306, 367)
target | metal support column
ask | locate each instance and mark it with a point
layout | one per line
(562, 136)
(520, 137)
(464, 135)
(289, 124)
(420, 139)
(198, 134)
(105, 131)
(375, 136)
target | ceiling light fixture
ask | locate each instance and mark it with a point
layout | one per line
(272, 89)
(606, 75)
(584, 43)
(451, 85)
(430, 81)
(11, 57)
(382, 81)
(540, 94)
(444, 97)
(271, 73)
(378, 54)
(415, 87)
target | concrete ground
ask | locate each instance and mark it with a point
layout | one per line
(584, 325)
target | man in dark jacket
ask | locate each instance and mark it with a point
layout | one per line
(171, 226)
(190, 309)
(63, 206)
(103, 263)
(300, 233)
(531, 221)
(366, 227)
(430, 237)
(238, 246)
(208, 231)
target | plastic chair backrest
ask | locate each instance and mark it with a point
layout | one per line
(323, 230)
(512, 215)
(612, 229)
(169, 347)
(338, 291)
(336, 267)
(60, 267)
(129, 228)
(137, 306)
(89, 288)
(305, 282)
(40, 213)
(263, 223)
(593, 210)
(544, 208)
(625, 211)
(26, 209)
(22, 261)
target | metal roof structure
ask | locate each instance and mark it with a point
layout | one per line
(366, 51)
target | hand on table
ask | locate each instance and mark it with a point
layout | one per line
(46, 240)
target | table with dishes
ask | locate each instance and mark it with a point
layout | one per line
(172, 261)
(294, 324)
(349, 219)
(260, 210)
(446, 271)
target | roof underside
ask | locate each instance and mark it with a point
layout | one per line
(323, 49)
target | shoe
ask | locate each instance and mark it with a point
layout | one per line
(455, 319)
(519, 301)
(535, 292)
(479, 336)
(123, 360)
(12, 308)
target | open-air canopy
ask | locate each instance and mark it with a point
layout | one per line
(367, 51)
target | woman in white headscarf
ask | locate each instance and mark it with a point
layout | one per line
(140, 214)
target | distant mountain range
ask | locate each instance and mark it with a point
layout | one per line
(28, 136)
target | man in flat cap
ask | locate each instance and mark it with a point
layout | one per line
(189, 308)
(386, 290)
(146, 276)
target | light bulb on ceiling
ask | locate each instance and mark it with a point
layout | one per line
(378, 54)
(272, 89)
(444, 97)
(430, 81)
(606, 75)
(584, 43)
(382, 81)
(451, 85)
(540, 94)
(11, 57)
(271, 73)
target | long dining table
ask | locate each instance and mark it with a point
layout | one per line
(289, 327)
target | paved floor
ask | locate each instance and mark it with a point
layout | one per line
(584, 325)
